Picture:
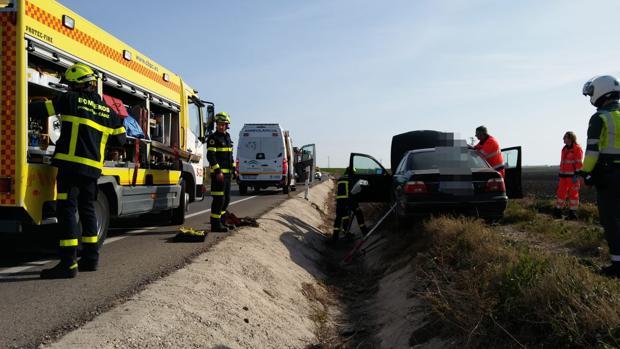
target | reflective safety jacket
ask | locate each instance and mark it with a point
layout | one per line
(220, 153)
(489, 149)
(603, 138)
(570, 162)
(342, 191)
(87, 124)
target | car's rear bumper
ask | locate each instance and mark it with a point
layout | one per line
(491, 208)
(259, 183)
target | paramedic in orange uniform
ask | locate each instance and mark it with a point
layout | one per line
(568, 186)
(489, 148)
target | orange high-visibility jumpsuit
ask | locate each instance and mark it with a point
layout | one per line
(490, 151)
(568, 186)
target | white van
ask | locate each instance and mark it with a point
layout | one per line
(264, 158)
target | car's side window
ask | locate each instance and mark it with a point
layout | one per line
(401, 166)
(366, 166)
(510, 158)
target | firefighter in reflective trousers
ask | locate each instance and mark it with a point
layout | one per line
(489, 148)
(601, 165)
(346, 205)
(220, 156)
(568, 185)
(87, 124)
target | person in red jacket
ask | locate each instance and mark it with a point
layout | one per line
(568, 186)
(489, 148)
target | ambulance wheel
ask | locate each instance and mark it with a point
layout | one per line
(178, 214)
(243, 189)
(102, 212)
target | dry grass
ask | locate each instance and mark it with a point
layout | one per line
(582, 235)
(492, 294)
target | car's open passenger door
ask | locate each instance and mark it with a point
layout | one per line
(512, 165)
(379, 179)
(306, 163)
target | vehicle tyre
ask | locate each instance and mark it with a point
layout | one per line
(293, 188)
(102, 211)
(256, 189)
(285, 189)
(243, 189)
(178, 214)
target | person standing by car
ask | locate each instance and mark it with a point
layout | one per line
(601, 165)
(87, 123)
(489, 148)
(568, 184)
(220, 156)
(346, 205)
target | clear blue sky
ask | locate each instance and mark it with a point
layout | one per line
(348, 75)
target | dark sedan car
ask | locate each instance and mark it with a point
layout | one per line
(442, 179)
(447, 179)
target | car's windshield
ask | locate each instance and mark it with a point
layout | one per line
(445, 157)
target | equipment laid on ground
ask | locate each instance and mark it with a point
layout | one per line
(187, 234)
(161, 166)
(358, 245)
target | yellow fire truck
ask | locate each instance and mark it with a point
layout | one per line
(161, 168)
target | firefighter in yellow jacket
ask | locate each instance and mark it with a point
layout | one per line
(346, 206)
(220, 156)
(601, 165)
(87, 124)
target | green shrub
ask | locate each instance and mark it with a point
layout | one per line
(488, 293)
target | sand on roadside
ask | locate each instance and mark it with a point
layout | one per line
(245, 292)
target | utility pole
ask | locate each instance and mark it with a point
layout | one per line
(328, 162)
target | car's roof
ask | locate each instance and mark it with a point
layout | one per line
(425, 150)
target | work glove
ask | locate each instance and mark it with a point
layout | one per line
(588, 179)
(219, 177)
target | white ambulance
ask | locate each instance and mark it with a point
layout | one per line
(264, 158)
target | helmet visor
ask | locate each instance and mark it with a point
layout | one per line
(588, 89)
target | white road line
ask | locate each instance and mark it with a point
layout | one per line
(7, 272)
(209, 210)
(13, 270)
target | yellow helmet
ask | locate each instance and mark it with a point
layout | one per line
(80, 73)
(222, 117)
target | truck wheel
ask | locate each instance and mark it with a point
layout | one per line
(293, 188)
(243, 189)
(256, 189)
(102, 211)
(178, 214)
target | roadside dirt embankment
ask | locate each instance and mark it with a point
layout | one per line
(258, 288)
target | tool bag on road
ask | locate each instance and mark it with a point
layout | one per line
(239, 222)
(187, 234)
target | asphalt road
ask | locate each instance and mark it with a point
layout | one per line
(136, 252)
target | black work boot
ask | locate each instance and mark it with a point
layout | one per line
(87, 264)
(364, 230)
(335, 235)
(62, 270)
(217, 227)
(612, 270)
(572, 215)
(557, 213)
